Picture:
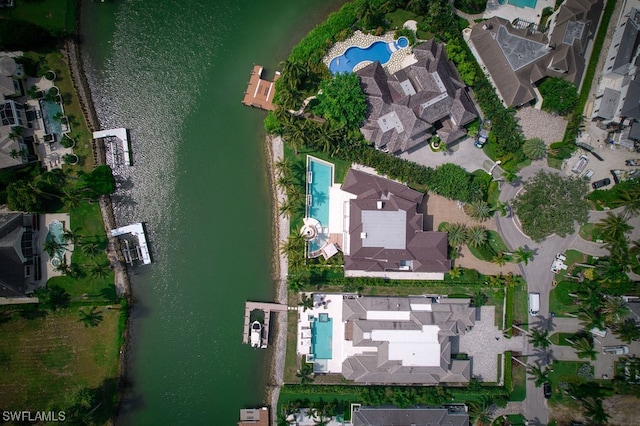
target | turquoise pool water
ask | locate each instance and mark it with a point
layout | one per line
(318, 193)
(49, 110)
(523, 3)
(378, 51)
(56, 233)
(322, 333)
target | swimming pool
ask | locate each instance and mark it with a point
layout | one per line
(380, 51)
(56, 233)
(523, 3)
(322, 334)
(49, 111)
(319, 181)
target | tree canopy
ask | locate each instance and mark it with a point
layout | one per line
(100, 181)
(550, 204)
(558, 95)
(342, 100)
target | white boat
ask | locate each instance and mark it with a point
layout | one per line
(256, 334)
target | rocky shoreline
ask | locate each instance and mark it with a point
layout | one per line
(274, 152)
(72, 53)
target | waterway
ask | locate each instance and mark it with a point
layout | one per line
(174, 74)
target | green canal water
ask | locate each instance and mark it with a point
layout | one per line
(174, 73)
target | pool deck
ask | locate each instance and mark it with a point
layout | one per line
(260, 92)
(48, 270)
(510, 12)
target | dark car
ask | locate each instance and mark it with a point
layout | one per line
(547, 390)
(600, 183)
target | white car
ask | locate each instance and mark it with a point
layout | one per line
(615, 350)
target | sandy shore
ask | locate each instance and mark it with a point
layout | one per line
(274, 152)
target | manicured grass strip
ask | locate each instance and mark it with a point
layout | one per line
(508, 319)
(561, 339)
(519, 382)
(560, 302)
(508, 380)
(53, 356)
(56, 16)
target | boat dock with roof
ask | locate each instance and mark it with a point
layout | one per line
(267, 308)
(140, 250)
(121, 134)
(260, 92)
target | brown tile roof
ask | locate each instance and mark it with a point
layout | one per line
(398, 240)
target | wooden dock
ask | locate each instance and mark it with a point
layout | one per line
(267, 308)
(260, 92)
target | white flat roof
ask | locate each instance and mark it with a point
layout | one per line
(121, 134)
(414, 348)
(389, 315)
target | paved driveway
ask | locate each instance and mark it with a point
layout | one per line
(485, 342)
(463, 153)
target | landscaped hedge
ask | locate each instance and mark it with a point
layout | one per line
(314, 46)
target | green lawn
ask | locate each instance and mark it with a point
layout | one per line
(519, 382)
(560, 302)
(573, 256)
(561, 338)
(53, 356)
(86, 220)
(494, 245)
(54, 15)
(564, 372)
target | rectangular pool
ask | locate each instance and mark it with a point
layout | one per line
(49, 112)
(321, 338)
(319, 181)
(523, 3)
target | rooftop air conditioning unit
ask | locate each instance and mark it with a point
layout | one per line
(363, 235)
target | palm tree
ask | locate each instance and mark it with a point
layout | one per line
(455, 273)
(476, 236)
(499, 259)
(590, 318)
(478, 210)
(51, 247)
(91, 318)
(614, 227)
(523, 255)
(503, 208)
(305, 373)
(594, 410)
(480, 410)
(537, 374)
(540, 338)
(306, 301)
(627, 330)
(288, 207)
(584, 347)
(614, 309)
(630, 198)
(99, 270)
(479, 299)
(63, 267)
(590, 297)
(456, 234)
(91, 249)
(69, 235)
(534, 148)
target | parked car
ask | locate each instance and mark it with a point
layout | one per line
(534, 304)
(615, 350)
(547, 390)
(587, 175)
(600, 183)
(582, 162)
(483, 135)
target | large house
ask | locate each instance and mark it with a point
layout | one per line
(422, 100)
(19, 264)
(391, 416)
(617, 103)
(517, 57)
(385, 236)
(13, 120)
(382, 340)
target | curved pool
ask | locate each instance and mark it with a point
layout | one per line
(380, 51)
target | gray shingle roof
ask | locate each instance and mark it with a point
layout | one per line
(452, 316)
(12, 277)
(420, 96)
(516, 58)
